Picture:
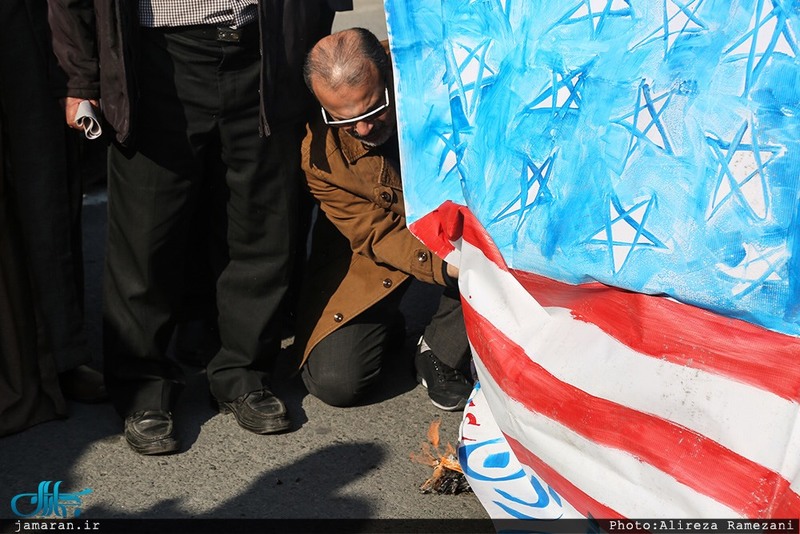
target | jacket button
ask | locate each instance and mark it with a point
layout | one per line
(338, 317)
(386, 197)
(422, 256)
(387, 283)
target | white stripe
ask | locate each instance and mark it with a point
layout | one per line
(752, 422)
(454, 256)
(611, 477)
(492, 483)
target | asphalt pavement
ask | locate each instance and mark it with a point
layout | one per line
(335, 464)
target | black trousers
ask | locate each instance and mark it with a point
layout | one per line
(43, 185)
(343, 366)
(197, 126)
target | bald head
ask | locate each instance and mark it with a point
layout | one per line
(348, 72)
(348, 58)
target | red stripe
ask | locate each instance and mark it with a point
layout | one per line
(679, 333)
(445, 225)
(651, 325)
(581, 501)
(430, 230)
(690, 458)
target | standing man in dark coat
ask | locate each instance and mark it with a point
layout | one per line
(44, 191)
(196, 94)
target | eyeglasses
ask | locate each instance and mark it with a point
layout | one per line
(365, 117)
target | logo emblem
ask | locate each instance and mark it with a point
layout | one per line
(48, 501)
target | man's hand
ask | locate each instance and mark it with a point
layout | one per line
(71, 110)
(452, 271)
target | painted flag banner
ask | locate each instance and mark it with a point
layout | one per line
(619, 184)
(505, 487)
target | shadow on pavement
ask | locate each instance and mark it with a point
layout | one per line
(281, 494)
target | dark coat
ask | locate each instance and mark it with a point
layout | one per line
(361, 248)
(96, 44)
(29, 76)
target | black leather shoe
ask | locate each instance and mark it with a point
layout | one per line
(151, 432)
(258, 411)
(83, 384)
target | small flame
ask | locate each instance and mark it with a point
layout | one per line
(433, 432)
(432, 455)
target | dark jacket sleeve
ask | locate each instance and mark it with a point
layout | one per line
(72, 23)
(341, 5)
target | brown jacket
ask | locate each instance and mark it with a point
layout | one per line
(361, 248)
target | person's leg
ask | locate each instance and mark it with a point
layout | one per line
(442, 354)
(344, 365)
(146, 227)
(446, 333)
(196, 332)
(260, 207)
(259, 238)
(152, 193)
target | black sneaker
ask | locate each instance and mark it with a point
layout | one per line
(447, 388)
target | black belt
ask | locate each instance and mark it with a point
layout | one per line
(223, 34)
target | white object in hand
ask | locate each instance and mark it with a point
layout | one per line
(87, 120)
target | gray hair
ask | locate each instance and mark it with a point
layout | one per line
(343, 59)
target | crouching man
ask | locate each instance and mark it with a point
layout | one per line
(363, 256)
